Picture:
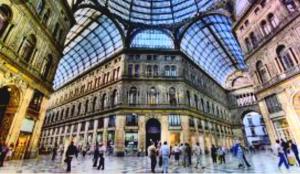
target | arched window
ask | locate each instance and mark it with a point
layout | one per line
(284, 57)
(46, 17)
(27, 48)
(46, 66)
(153, 96)
(56, 31)
(167, 70)
(188, 97)
(196, 100)
(40, 6)
(104, 101)
(290, 5)
(61, 115)
(253, 39)
(67, 113)
(262, 71)
(114, 98)
(137, 70)
(79, 109)
(149, 70)
(172, 96)
(86, 106)
(273, 20)
(5, 17)
(72, 110)
(265, 27)
(208, 107)
(155, 70)
(94, 103)
(132, 96)
(248, 44)
(173, 71)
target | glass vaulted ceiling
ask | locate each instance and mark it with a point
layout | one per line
(94, 38)
(208, 40)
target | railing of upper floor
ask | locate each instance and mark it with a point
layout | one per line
(278, 78)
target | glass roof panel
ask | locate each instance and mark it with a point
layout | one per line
(152, 39)
(88, 44)
(157, 12)
(210, 43)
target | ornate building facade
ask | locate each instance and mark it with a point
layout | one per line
(269, 32)
(138, 96)
(31, 42)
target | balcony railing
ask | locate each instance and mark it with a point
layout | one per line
(278, 78)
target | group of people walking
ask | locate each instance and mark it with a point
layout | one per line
(72, 152)
(287, 152)
(182, 154)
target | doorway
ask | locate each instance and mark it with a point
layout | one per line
(153, 132)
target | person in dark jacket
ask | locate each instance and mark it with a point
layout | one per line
(3, 151)
(96, 155)
(213, 151)
(71, 153)
(101, 156)
(54, 151)
(189, 153)
(294, 148)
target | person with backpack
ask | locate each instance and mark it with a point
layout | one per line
(152, 152)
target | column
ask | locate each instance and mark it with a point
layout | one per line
(19, 116)
(269, 123)
(33, 146)
(95, 132)
(105, 131)
(85, 135)
(185, 134)
(164, 123)
(142, 134)
(120, 135)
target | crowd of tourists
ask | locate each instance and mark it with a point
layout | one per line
(287, 152)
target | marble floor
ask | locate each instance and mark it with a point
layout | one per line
(262, 162)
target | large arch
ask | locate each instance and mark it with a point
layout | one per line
(9, 103)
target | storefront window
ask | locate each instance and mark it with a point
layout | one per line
(131, 142)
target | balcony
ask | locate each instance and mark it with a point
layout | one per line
(262, 41)
(278, 78)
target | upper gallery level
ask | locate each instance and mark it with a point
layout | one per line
(32, 35)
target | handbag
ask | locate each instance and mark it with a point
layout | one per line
(65, 160)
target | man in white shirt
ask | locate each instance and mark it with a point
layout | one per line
(279, 151)
(165, 152)
(197, 153)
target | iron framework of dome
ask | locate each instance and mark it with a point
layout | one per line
(106, 27)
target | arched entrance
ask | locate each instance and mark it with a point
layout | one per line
(9, 101)
(153, 131)
(254, 129)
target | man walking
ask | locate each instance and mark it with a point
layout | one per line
(101, 156)
(54, 151)
(197, 153)
(279, 151)
(71, 153)
(152, 152)
(165, 152)
(96, 155)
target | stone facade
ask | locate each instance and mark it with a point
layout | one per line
(117, 101)
(31, 41)
(269, 34)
